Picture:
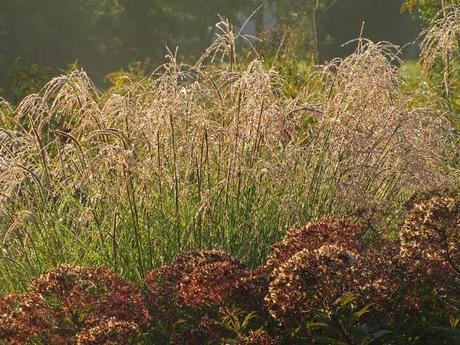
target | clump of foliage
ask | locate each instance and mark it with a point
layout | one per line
(24, 80)
(428, 8)
(326, 289)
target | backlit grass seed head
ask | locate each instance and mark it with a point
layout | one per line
(373, 131)
(440, 39)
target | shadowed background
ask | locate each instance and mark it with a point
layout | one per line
(45, 36)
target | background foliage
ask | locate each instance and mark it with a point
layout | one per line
(106, 35)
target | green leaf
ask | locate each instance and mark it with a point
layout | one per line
(370, 339)
(358, 314)
(247, 319)
(318, 325)
(328, 341)
(347, 299)
(454, 321)
(439, 336)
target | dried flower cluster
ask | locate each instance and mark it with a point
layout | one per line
(257, 338)
(310, 280)
(109, 331)
(210, 283)
(205, 284)
(379, 275)
(430, 237)
(10, 324)
(76, 305)
(195, 277)
(250, 290)
(313, 236)
(316, 265)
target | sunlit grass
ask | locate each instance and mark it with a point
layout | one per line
(207, 156)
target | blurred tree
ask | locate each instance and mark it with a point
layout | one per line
(325, 25)
(147, 25)
(304, 16)
(383, 21)
(55, 32)
(24, 80)
(104, 34)
(428, 8)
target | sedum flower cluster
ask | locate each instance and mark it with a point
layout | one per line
(74, 305)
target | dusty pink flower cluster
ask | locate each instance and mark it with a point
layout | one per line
(9, 323)
(379, 274)
(167, 285)
(312, 267)
(210, 284)
(202, 278)
(205, 285)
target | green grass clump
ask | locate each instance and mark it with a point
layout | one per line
(210, 155)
